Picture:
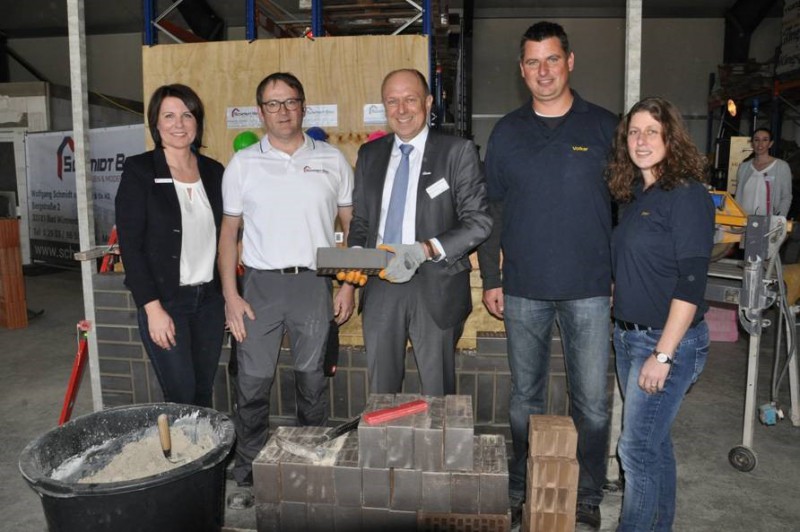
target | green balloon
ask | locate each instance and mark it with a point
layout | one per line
(243, 140)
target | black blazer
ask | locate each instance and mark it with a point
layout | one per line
(148, 217)
(457, 217)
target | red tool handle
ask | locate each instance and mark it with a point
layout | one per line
(387, 414)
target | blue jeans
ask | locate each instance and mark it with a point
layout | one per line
(645, 446)
(186, 371)
(584, 325)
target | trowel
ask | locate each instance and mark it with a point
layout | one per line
(315, 448)
(166, 439)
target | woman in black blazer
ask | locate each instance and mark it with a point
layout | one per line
(168, 214)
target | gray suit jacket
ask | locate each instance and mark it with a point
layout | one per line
(458, 217)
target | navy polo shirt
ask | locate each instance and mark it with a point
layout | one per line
(556, 223)
(656, 230)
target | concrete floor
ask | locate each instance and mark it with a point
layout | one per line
(712, 495)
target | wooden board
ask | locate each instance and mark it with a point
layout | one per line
(342, 71)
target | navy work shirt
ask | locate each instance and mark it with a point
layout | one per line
(656, 230)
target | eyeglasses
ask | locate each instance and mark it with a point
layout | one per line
(273, 106)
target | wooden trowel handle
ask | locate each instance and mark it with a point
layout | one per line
(163, 433)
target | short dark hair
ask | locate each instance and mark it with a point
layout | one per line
(189, 98)
(541, 31)
(425, 87)
(286, 77)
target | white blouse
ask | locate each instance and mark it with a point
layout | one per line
(198, 234)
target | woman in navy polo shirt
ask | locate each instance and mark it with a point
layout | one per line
(660, 254)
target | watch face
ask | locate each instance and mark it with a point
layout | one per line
(663, 358)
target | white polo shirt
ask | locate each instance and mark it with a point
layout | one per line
(289, 203)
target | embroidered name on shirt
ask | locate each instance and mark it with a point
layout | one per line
(315, 170)
(580, 148)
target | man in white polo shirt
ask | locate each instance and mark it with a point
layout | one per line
(288, 190)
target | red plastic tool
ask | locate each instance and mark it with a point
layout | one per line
(387, 414)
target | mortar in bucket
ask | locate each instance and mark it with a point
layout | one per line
(184, 497)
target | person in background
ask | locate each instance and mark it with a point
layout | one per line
(421, 195)
(552, 218)
(764, 182)
(660, 250)
(288, 190)
(168, 215)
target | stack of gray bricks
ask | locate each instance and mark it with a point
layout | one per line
(413, 473)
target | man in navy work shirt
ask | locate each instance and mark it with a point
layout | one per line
(552, 217)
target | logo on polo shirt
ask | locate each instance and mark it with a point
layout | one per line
(315, 170)
(580, 148)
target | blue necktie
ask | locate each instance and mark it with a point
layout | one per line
(393, 229)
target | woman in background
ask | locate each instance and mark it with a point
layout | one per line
(660, 253)
(168, 213)
(763, 182)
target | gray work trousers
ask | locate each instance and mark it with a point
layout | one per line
(301, 305)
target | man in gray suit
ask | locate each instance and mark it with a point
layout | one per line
(421, 195)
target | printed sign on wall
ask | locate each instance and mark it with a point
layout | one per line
(52, 201)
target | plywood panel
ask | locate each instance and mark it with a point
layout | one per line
(345, 71)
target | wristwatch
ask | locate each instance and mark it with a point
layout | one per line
(664, 358)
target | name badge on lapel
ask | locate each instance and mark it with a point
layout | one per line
(437, 188)
(163, 180)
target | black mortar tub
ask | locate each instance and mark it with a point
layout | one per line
(190, 497)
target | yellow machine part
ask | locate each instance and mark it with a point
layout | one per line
(791, 276)
(729, 218)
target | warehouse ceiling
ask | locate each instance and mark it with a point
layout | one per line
(46, 18)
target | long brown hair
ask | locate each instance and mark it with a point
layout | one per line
(681, 162)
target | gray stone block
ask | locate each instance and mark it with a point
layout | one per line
(491, 343)
(347, 478)
(320, 517)
(294, 516)
(117, 300)
(267, 474)
(372, 442)
(465, 492)
(406, 489)
(374, 519)
(122, 351)
(113, 334)
(458, 433)
(347, 519)
(494, 474)
(401, 520)
(428, 433)
(117, 384)
(375, 483)
(114, 366)
(435, 491)
(358, 391)
(124, 317)
(400, 437)
(268, 517)
(141, 388)
(484, 400)
(109, 281)
(294, 482)
(320, 484)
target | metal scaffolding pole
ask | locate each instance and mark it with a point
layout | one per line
(80, 132)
